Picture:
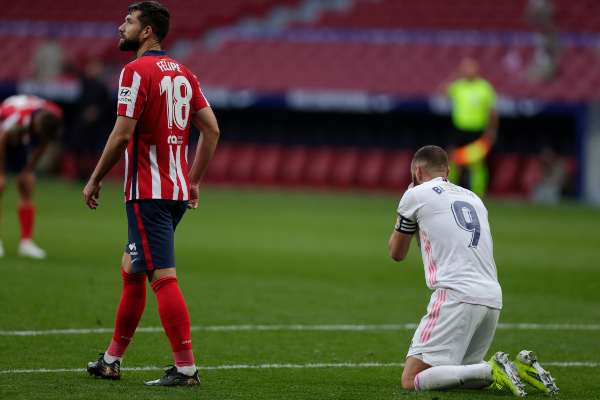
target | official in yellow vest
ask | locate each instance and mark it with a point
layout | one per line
(475, 125)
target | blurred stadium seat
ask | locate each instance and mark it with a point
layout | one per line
(397, 48)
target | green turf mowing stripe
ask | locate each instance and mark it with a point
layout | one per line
(580, 364)
(298, 327)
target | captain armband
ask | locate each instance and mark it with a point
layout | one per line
(405, 225)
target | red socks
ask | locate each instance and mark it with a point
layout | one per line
(131, 308)
(175, 319)
(171, 308)
(26, 218)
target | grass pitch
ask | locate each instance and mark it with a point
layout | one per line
(271, 258)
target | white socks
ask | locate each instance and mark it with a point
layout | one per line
(453, 376)
(111, 359)
(188, 370)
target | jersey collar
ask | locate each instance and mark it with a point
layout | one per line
(154, 53)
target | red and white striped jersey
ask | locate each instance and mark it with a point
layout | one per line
(161, 94)
(16, 111)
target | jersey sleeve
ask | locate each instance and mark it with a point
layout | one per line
(132, 94)
(199, 101)
(407, 212)
(12, 121)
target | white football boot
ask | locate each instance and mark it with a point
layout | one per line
(1, 249)
(27, 248)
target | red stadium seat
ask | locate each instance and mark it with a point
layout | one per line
(218, 168)
(243, 163)
(504, 176)
(370, 169)
(319, 167)
(268, 164)
(396, 174)
(532, 173)
(345, 166)
(293, 165)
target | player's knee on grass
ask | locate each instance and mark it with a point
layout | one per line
(408, 383)
(412, 367)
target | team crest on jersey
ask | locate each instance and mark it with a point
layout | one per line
(125, 95)
(132, 249)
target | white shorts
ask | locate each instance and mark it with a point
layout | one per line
(453, 332)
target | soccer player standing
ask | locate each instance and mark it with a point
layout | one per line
(157, 99)
(27, 125)
(449, 345)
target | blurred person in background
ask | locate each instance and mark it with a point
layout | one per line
(553, 178)
(48, 60)
(27, 125)
(475, 123)
(92, 121)
(540, 16)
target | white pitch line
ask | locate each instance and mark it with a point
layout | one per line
(581, 364)
(299, 327)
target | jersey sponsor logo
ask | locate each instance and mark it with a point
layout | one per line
(125, 95)
(174, 139)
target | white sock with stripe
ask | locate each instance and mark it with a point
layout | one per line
(453, 376)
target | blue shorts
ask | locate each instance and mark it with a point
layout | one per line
(151, 225)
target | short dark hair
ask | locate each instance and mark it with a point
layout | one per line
(154, 14)
(433, 158)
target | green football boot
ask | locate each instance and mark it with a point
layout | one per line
(505, 375)
(531, 372)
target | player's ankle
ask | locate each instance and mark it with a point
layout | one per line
(109, 359)
(188, 370)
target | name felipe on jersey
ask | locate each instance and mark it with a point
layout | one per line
(165, 66)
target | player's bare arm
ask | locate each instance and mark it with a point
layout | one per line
(206, 122)
(399, 243)
(115, 146)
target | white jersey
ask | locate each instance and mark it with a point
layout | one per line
(456, 242)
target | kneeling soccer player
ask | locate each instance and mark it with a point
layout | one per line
(449, 345)
(158, 98)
